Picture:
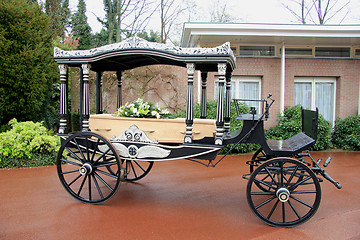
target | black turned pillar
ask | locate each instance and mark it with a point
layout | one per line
(63, 98)
(85, 98)
(98, 83)
(203, 112)
(220, 105)
(190, 103)
(119, 90)
(227, 104)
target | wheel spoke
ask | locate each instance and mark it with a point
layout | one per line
(96, 146)
(72, 171)
(103, 181)
(74, 179)
(82, 185)
(303, 192)
(283, 211)
(292, 187)
(273, 209)
(107, 174)
(76, 156)
(132, 167)
(70, 162)
(302, 202)
(98, 188)
(89, 181)
(78, 146)
(265, 202)
(106, 164)
(262, 193)
(264, 183)
(269, 174)
(104, 154)
(292, 176)
(293, 208)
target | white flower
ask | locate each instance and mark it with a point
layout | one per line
(134, 110)
(153, 113)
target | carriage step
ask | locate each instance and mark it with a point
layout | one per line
(327, 161)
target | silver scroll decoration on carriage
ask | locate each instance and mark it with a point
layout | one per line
(139, 43)
(135, 135)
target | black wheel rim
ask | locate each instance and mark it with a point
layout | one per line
(257, 159)
(289, 194)
(88, 167)
(135, 170)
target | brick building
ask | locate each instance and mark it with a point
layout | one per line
(315, 66)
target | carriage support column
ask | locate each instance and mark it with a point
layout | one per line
(203, 95)
(227, 104)
(85, 98)
(63, 98)
(220, 105)
(190, 103)
(119, 89)
(99, 108)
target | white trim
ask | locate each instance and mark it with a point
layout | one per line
(282, 80)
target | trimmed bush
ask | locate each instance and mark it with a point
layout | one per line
(290, 125)
(234, 124)
(26, 143)
(346, 134)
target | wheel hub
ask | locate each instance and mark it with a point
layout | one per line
(86, 169)
(283, 194)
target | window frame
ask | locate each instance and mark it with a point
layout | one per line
(313, 81)
(258, 56)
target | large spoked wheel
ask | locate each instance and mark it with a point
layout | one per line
(283, 192)
(88, 167)
(135, 170)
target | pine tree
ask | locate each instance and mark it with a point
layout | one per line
(80, 27)
(59, 14)
(27, 70)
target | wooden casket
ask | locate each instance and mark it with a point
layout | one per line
(162, 130)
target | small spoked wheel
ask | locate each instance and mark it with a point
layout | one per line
(257, 159)
(283, 192)
(89, 167)
(135, 170)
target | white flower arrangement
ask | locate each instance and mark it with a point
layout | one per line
(141, 109)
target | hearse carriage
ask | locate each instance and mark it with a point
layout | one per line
(283, 181)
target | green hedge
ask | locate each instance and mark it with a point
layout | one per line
(27, 143)
(289, 124)
(346, 134)
(234, 124)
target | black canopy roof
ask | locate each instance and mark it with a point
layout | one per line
(136, 52)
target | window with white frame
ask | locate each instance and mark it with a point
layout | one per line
(316, 92)
(244, 87)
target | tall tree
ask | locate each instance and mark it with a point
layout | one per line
(318, 11)
(80, 26)
(59, 14)
(124, 18)
(170, 10)
(27, 70)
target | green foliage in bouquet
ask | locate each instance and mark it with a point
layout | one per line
(141, 109)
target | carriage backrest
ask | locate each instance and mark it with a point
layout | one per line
(310, 122)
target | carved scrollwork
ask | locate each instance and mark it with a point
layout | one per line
(139, 43)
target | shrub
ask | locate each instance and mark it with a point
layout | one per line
(234, 124)
(346, 134)
(25, 141)
(290, 124)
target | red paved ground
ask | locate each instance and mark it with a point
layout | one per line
(177, 200)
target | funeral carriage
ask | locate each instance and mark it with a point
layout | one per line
(283, 180)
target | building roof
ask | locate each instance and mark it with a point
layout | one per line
(203, 34)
